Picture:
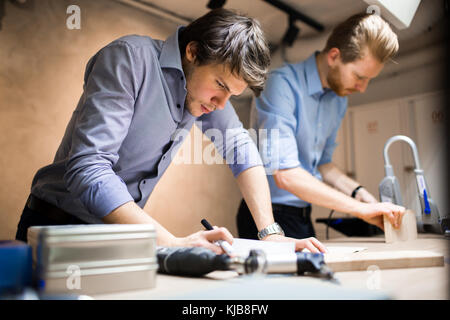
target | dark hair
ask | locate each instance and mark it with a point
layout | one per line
(363, 31)
(223, 36)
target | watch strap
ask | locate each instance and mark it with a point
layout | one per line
(356, 190)
(273, 228)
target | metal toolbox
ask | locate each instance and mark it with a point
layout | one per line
(96, 258)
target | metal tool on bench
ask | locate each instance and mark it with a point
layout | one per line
(94, 258)
(430, 220)
(197, 261)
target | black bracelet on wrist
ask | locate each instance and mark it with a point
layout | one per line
(356, 190)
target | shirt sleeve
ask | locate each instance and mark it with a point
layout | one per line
(330, 146)
(230, 138)
(277, 125)
(102, 121)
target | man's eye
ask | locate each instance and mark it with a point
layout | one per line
(220, 85)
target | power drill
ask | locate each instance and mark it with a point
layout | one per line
(198, 261)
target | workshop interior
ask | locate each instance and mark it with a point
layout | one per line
(393, 139)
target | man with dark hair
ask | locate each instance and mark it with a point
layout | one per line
(138, 93)
(306, 103)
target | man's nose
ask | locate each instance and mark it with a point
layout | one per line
(220, 101)
(362, 86)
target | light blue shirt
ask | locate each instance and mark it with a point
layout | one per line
(126, 128)
(307, 117)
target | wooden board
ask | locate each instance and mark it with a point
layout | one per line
(406, 232)
(360, 261)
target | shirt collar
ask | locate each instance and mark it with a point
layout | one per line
(170, 56)
(312, 76)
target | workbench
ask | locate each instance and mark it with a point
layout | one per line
(405, 283)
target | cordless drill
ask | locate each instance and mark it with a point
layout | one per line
(197, 262)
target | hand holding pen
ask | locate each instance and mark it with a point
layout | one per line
(222, 243)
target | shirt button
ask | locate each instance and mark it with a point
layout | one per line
(143, 181)
(178, 106)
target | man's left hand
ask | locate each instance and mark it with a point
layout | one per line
(312, 244)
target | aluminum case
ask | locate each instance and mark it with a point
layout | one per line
(95, 258)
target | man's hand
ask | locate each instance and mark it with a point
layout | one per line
(373, 213)
(131, 213)
(206, 239)
(312, 244)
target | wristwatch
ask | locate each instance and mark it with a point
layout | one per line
(273, 228)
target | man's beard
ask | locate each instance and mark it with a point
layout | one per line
(188, 100)
(333, 79)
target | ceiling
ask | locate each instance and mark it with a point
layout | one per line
(327, 12)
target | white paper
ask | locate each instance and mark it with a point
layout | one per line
(242, 247)
(336, 249)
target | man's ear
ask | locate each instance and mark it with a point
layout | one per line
(333, 56)
(191, 51)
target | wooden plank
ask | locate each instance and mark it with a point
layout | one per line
(406, 232)
(360, 261)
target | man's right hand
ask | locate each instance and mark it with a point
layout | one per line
(206, 238)
(131, 213)
(373, 213)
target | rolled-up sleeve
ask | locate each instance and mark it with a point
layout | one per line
(102, 121)
(231, 139)
(276, 124)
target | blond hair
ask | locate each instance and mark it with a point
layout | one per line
(363, 31)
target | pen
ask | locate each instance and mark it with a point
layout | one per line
(224, 245)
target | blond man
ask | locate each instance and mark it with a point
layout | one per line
(306, 102)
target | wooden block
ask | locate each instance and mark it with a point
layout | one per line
(406, 232)
(360, 261)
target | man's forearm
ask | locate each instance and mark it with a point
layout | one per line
(255, 190)
(308, 188)
(131, 213)
(336, 178)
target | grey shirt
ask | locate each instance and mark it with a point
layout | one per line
(128, 124)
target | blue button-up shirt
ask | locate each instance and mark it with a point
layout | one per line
(307, 118)
(126, 128)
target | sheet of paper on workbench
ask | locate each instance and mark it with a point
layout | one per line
(242, 247)
(341, 249)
